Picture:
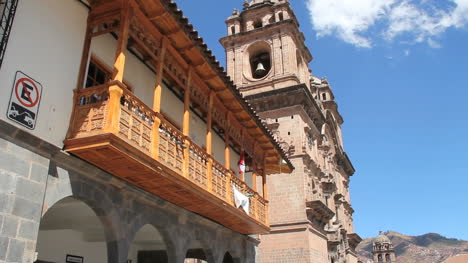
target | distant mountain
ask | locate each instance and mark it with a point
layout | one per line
(428, 248)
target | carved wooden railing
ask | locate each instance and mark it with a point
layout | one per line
(148, 131)
(198, 161)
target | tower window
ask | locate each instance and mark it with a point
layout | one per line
(324, 96)
(257, 23)
(260, 64)
(380, 258)
(233, 30)
(280, 16)
(387, 258)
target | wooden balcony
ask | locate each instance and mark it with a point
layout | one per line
(114, 130)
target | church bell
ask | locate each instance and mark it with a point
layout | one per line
(260, 69)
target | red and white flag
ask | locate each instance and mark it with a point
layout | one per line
(241, 163)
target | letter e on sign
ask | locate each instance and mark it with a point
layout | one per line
(24, 100)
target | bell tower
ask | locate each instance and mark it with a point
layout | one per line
(382, 250)
(265, 49)
(310, 210)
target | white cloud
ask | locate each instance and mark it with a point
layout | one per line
(407, 52)
(410, 21)
(347, 18)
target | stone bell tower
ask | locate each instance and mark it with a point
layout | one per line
(310, 210)
(264, 48)
(382, 250)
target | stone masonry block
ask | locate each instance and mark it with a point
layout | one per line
(29, 251)
(8, 185)
(28, 230)
(15, 251)
(3, 247)
(6, 203)
(27, 209)
(3, 144)
(30, 190)
(10, 226)
(38, 173)
(15, 164)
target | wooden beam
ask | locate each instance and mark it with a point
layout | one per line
(186, 123)
(209, 122)
(227, 151)
(209, 142)
(186, 117)
(159, 75)
(254, 175)
(124, 29)
(85, 56)
(264, 179)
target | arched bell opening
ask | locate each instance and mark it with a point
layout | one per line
(71, 230)
(259, 58)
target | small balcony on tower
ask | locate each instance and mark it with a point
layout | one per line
(154, 142)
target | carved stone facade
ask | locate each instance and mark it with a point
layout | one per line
(310, 210)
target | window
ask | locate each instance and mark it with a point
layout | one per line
(7, 14)
(98, 74)
(280, 16)
(387, 258)
(380, 258)
(324, 96)
(258, 24)
(233, 30)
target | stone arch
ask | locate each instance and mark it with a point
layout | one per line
(162, 223)
(388, 258)
(64, 184)
(71, 226)
(197, 241)
(148, 245)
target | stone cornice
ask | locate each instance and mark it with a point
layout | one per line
(296, 95)
(292, 29)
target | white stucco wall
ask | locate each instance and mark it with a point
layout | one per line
(54, 245)
(46, 42)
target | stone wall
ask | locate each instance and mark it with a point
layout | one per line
(35, 175)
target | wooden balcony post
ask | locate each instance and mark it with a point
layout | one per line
(81, 74)
(264, 179)
(254, 175)
(157, 99)
(227, 151)
(209, 142)
(122, 42)
(85, 55)
(113, 117)
(229, 188)
(186, 122)
(242, 174)
(159, 74)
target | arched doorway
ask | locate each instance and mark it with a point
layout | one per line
(228, 258)
(196, 254)
(71, 229)
(148, 246)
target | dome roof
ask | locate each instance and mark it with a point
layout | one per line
(382, 239)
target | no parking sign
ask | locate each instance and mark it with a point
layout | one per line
(24, 101)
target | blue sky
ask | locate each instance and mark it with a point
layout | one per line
(399, 71)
